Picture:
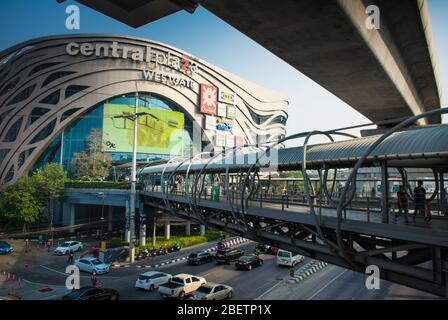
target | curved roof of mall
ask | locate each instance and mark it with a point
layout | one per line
(422, 147)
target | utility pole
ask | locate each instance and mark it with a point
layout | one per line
(133, 193)
(133, 182)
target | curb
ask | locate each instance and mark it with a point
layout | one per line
(310, 268)
(227, 244)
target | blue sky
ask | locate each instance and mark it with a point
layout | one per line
(206, 36)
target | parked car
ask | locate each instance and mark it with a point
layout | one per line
(181, 285)
(213, 291)
(228, 255)
(10, 296)
(151, 280)
(266, 248)
(248, 262)
(92, 293)
(272, 250)
(67, 246)
(262, 247)
(199, 258)
(5, 247)
(286, 258)
(92, 265)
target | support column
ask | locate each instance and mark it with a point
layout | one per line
(110, 210)
(72, 216)
(384, 192)
(443, 202)
(202, 230)
(141, 211)
(167, 230)
(127, 235)
(154, 232)
(188, 228)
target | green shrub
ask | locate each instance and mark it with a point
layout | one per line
(117, 242)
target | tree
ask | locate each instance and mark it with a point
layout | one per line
(19, 203)
(92, 163)
(50, 180)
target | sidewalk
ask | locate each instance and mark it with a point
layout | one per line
(27, 290)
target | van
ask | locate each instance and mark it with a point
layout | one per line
(286, 258)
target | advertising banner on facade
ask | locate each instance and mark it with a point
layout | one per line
(220, 139)
(159, 131)
(227, 96)
(222, 110)
(209, 99)
(230, 141)
(210, 122)
(231, 111)
(239, 141)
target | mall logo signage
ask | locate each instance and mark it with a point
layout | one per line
(209, 99)
(168, 79)
(155, 58)
(226, 96)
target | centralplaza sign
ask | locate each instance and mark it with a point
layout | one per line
(154, 58)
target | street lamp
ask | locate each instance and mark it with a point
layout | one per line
(133, 117)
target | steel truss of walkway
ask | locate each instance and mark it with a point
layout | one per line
(225, 191)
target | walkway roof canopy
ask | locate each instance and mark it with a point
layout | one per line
(422, 147)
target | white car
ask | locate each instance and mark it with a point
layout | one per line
(286, 258)
(92, 265)
(68, 246)
(151, 280)
(181, 285)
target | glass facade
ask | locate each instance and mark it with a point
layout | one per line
(73, 139)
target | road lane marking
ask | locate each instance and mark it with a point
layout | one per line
(269, 290)
(324, 287)
(67, 274)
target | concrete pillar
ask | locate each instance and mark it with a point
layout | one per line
(141, 211)
(188, 228)
(127, 235)
(154, 232)
(442, 191)
(384, 192)
(72, 216)
(167, 230)
(109, 218)
(202, 230)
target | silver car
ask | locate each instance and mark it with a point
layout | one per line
(92, 265)
(213, 291)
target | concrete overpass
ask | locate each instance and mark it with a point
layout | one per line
(384, 73)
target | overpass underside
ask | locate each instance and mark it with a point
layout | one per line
(387, 73)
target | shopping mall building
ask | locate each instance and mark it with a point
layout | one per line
(55, 90)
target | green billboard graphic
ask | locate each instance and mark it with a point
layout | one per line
(159, 131)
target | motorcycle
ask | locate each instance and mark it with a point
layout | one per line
(162, 251)
(175, 248)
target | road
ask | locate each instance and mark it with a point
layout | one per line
(335, 283)
(246, 284)
(266, 282)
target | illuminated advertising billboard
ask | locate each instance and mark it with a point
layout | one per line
(209, 99)
(159, 131)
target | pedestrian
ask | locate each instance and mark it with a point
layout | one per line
(27, 245)
(48, 245)
(257, 252)
(70, 257)
(402, 203)
(419, 199)
(94, 280)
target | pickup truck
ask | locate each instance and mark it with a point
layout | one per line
(181, 285)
